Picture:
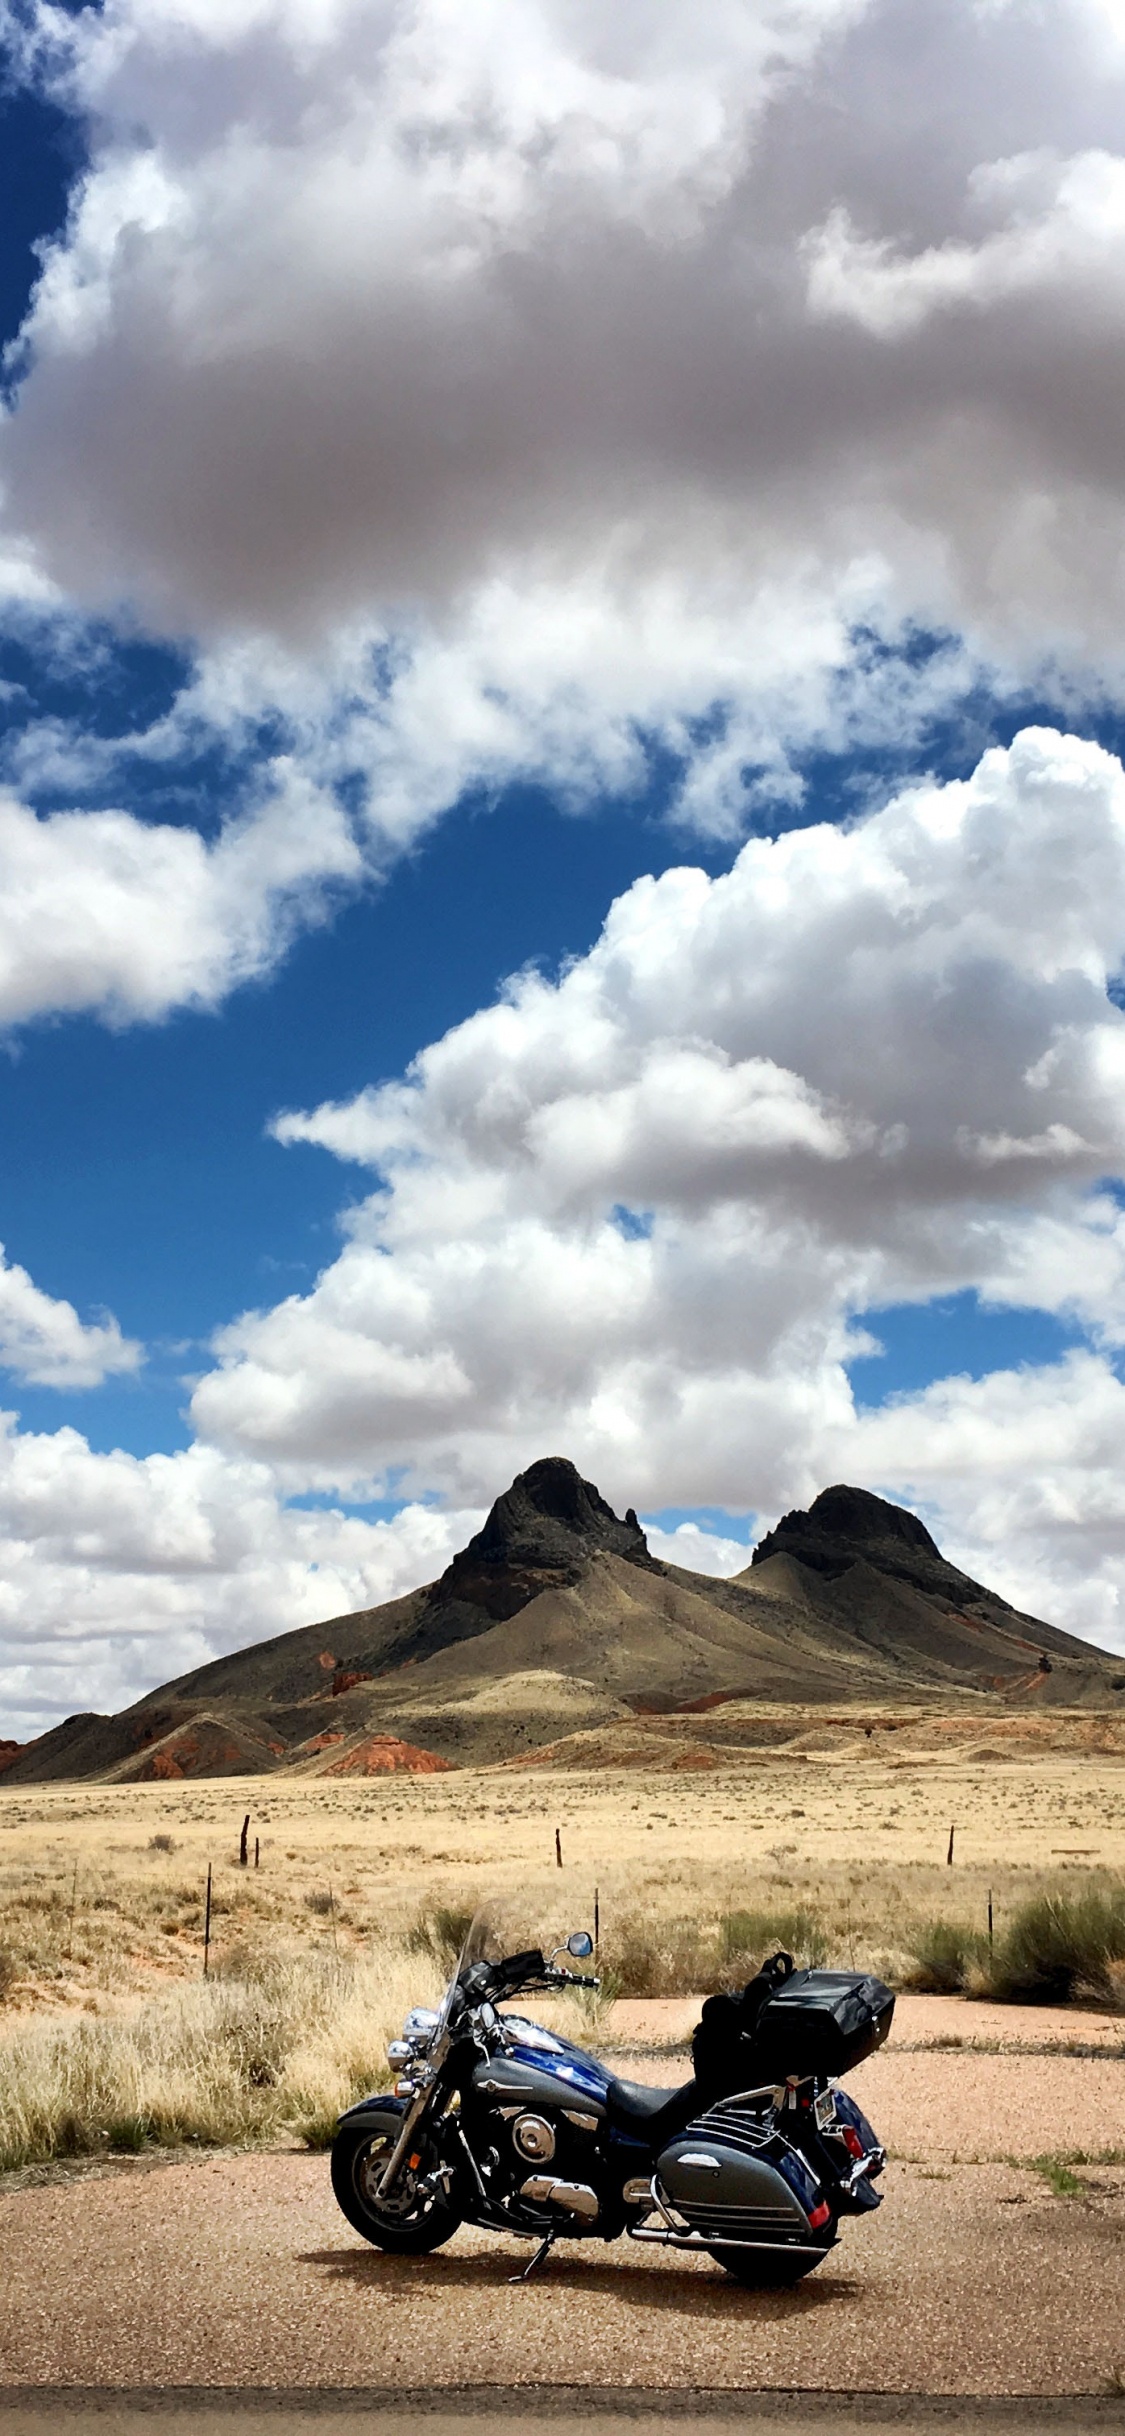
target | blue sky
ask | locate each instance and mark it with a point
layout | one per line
(400, 562)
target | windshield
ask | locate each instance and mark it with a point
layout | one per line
(496, 1930)
(479, 1945)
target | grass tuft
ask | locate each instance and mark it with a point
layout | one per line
(1058, 2176)
(943, 1953)
(1060, 1946)
(228, 2062)
(440, 1930)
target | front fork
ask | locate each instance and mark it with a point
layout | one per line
(414, 2117)
(411, 2120)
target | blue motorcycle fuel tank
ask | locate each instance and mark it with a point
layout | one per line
(540, 2067)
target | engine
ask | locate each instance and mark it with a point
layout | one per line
(538, 2155)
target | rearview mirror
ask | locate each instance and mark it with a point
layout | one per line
(580, 1944)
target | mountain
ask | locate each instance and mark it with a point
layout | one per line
(556, 1620)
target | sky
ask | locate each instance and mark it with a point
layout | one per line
(562, 829)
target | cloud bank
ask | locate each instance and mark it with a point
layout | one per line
(636, 1211)
(561, 393)
(120, 1572)
(516, 393)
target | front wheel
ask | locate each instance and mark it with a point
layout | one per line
(769, 2270)
(419, 2215)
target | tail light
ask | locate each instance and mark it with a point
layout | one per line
(820, 2216)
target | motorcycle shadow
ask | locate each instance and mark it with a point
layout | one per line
(669, 2286)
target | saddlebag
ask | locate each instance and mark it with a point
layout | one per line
(822, 2022)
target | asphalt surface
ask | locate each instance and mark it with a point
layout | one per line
(237, 2274)
(600, 2412)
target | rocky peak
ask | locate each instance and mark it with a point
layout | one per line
(552, 1518)
(540, 1535)
(844, 1526)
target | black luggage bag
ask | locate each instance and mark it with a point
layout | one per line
(822, 2022)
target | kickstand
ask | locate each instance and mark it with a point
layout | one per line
(545, 2245)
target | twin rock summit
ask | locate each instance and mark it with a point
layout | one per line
(555, 1634)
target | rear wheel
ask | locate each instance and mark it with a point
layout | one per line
(770, 2270)
(418, 2215)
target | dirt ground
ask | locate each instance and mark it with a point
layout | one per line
(974, 2277)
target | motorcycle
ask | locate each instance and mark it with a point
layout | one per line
(497, 2121)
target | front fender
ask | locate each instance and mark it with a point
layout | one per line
(369, 2110)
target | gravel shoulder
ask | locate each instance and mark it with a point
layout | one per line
(973, 2279)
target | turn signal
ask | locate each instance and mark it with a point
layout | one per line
(820, 2216)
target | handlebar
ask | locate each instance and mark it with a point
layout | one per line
(480, 1980)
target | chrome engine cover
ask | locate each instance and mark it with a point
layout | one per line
(534, 2138)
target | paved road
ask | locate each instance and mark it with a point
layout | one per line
(518, 2413)
(225, 2272)
(239, 2271)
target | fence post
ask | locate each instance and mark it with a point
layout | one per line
(597, 1922)
(949, 1854)
(242, 1853)
(257, 1849)
(558, 1847)
(990, 1924)
(207, 1926)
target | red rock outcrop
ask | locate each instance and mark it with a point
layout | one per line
(385, 1755)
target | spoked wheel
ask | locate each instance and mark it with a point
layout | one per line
(418, 2215)
(769, 2270)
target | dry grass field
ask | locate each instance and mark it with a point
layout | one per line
(107, 2032)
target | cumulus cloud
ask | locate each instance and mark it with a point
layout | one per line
(637, 1212)
(697, 1549)
(1021, 1470)
(43, 1340)
(553, 382)
(118, 1573)
(101, 911)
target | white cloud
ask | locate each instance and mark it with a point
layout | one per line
(697, 1549)
(104, 912)
(117, 1573)
(636, 1212)
(43, 1340)
(547, 382)
(1023, 1472)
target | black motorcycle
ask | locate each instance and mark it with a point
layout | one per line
(497, 2121)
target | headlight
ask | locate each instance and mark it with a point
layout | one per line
(419, 2027)
(400, 2051)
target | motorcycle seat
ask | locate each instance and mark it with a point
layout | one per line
(638, 2108)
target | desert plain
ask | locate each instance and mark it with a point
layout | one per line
(845, 1816)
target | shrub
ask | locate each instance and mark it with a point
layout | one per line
(321, 1902)
(224, 2062)
(1060, 1946)
(943, 1954)
(440, 1930)
(745, 1939)
(9, 1972)
(162, 1843)
(665, 1958)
